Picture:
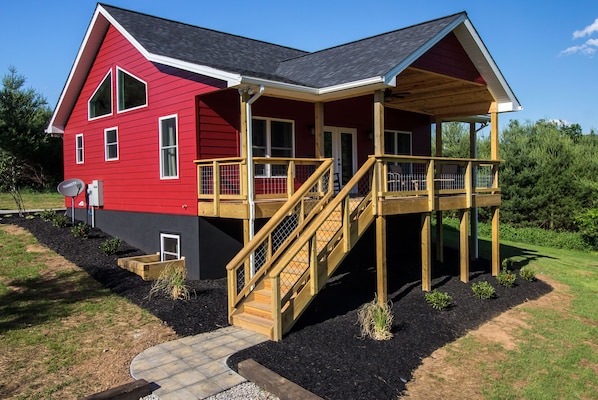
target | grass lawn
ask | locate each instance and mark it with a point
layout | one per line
(545, 349)
(62, 335)
(33, 200)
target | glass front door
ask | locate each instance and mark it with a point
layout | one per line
(340, 144)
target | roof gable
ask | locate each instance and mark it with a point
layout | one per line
(378, 56)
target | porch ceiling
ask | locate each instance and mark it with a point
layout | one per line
(438, 95)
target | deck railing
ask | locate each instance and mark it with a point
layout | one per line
(226, 178)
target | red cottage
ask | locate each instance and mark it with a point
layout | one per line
(267, 164)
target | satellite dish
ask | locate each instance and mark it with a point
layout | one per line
(71, 187)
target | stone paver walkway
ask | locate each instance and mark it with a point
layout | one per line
(194, 367)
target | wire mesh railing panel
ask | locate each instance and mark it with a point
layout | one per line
(206, 185)
(484, 177)
(230, 179)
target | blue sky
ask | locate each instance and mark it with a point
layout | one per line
(547, 51)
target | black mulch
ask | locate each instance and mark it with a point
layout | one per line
(323, 352)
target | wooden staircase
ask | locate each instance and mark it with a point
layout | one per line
(292, 271)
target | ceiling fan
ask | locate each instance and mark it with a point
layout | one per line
(389, 95)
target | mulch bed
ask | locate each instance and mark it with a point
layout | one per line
(323, 353)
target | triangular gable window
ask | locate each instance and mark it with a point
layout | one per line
(131, 91)
(100, 103)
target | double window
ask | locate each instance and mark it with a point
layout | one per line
(79, 154)
(131, 94)
(111, 144)
(272, 138)
(169, 148)
(170, 247)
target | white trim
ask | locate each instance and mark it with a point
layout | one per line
(176, 118)
(178, 245)
(117, 94)
(114, 128)
(82, 160)
(89, 117)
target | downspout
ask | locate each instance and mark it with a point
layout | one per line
(250, 172)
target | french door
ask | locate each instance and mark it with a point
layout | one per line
(341, 145)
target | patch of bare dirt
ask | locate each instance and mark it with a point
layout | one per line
(453, 371)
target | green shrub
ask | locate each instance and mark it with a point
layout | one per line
(506, 277)
(527, 273)
(47, 215)
(60, 221)
(81, 230)
(375, 320)
(507, 263)
(483, 290)
(438, 300)
(110, 246)
(172, 283)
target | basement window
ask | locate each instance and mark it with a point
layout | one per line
(170, 247)
(132, 91)
(100, 103)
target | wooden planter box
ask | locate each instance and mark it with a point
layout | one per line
(148, 267)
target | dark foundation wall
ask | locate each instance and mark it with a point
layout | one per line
(207, 247)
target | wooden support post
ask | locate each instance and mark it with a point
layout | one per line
(473, 153)
(313, 266)
(426, 252)
(291, 178)
(381, 285)
(494, 136)
(464, 246)
(379, 122)
(276, 310)
(319, 129)
(438, 138)
(495, 241)
(244, 129)
(439, 237)
(216, 189)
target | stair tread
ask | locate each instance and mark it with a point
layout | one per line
(254, 319)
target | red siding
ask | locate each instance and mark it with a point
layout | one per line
(448, 57)
(132, 183)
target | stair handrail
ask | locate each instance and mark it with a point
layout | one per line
(323, 215)
(242, 256)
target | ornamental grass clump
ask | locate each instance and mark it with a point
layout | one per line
(171, 282)
(375, 320)
(527, 273)
(483, 290)
(438, 300)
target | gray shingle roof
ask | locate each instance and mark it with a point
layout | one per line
(371, 57)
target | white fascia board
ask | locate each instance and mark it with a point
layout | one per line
(231, 79)
(393, 73)
(91, 36)
(507, 101)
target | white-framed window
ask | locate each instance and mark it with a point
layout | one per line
(79, 153)
(111, 144)
(272, 138)
(100, 102)
(169, 147)
(399, 143)
(170, 246)
(132, 91)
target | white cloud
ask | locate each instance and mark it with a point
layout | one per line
(588, 30)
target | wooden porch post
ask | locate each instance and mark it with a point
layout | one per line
(439, 227)
(319, 128)
(464, 246)
(244, 96)
(379, 122)
(473, 153)
(495, 210)
(381, 281)
(426, 252)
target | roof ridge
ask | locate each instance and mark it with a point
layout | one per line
(377, 35)
(104, 5)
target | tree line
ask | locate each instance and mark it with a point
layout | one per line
(549, 177)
